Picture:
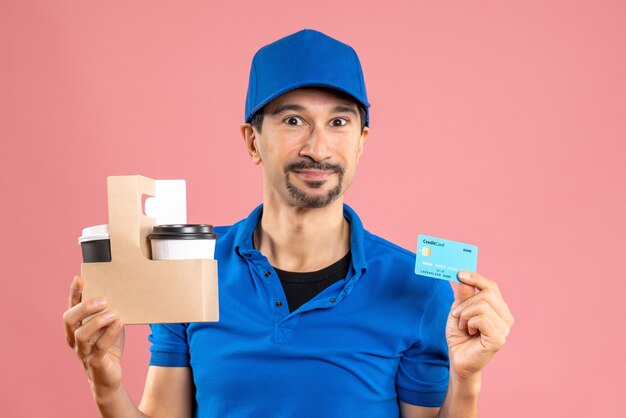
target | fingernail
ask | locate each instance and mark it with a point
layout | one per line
(108, 315)
(464, 275)
(99, 302)
(456, 311)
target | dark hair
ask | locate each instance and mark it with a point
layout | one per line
(257, 119)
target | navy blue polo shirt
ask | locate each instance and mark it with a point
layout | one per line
(352, 351)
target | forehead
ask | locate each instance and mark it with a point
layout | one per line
(312, 96)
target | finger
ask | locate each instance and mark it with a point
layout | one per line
(462, 292)
(108, 338)
(483, 308)
(73, 317)
(87, 335)
(469, 312)
(494, 299)
(76, 292)
(491, 339)
(474, 279)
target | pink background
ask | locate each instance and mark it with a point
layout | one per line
(498, 124)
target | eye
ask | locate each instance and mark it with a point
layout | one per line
(339, 122)
(293, 120)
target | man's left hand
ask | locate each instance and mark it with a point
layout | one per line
(478, 324)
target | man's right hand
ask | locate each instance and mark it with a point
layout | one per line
(98, 342)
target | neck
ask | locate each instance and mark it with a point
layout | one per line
(301, 239)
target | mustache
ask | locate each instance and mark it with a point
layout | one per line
(313, 165)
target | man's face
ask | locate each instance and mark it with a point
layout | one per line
(309, 147)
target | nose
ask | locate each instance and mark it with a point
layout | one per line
(316, 145)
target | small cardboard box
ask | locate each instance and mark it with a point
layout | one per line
(141, 290)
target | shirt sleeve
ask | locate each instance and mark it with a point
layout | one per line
(423, 373)
(169, 345)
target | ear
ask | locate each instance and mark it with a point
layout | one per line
(362, 140)
(249, 135)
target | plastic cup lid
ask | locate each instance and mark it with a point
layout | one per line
(183, 231)
(94, 233)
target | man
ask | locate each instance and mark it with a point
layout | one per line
(318, 317)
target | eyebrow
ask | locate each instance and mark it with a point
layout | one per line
(345, 109)
(285, 107)
(296, 107)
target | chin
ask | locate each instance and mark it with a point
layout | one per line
(319, 199)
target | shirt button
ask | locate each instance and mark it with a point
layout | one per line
(279, 304)
(267, 274)
(248, 255)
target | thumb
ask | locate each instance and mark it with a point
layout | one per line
(462, 292)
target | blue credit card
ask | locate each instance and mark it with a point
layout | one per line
(442, 259)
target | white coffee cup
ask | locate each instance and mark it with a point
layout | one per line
(182, 242)
(95, 244)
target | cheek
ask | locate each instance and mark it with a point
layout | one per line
(353, 155)
(279, 147)
(273, 159)
(350, 165)
(359, 152)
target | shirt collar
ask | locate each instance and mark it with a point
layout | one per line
(244, 246)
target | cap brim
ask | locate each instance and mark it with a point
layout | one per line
(307, 84)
